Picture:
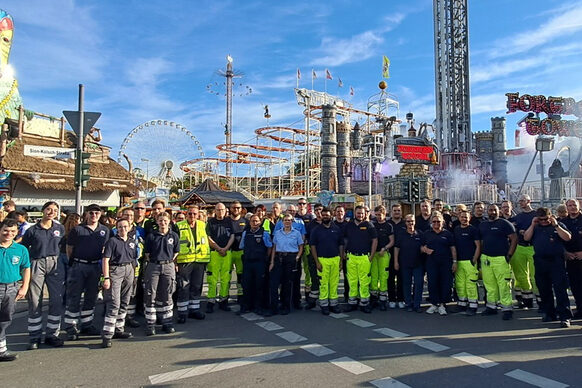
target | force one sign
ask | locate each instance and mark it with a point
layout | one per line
(553, 107)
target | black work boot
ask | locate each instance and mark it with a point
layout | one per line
(210, 307)
(224, 305)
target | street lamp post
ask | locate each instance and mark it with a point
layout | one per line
(147, 175)
(543, 144)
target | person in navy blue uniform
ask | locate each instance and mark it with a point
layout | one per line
(14, 266)
(408, 260)
(42, 241)
(256, 246)
(161, 248)
(395, 295)
(85, 248)
(468, 244)
(439, 246)
(574, 252)
(326, 243)
(548, 236)
(422, 223)
(119, 262)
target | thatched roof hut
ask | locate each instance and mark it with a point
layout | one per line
(34, 179)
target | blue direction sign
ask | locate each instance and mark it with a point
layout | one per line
(89, 120)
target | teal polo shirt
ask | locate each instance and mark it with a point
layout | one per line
(12, 261)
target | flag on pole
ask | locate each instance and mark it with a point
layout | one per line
(351, 91)
(328, 74)
(298, 73)
(386, 67)
(313, 74)
(340, 84)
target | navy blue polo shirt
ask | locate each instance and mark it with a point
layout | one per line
(341, 225)
(310, 226)
(12, 261)
(548, 245)
(421, 224)
(220, 230)
(409, 249)
(475, 221)
(308, 219)
(162, 247)
(326, 240)
(441, 243)
(42, 242)
(495, 237)
(359, 237)
(119, 251)
(88, 243)
(238, 227)
(384, 230)
(465, 241)
(522, 221)
(574, 225)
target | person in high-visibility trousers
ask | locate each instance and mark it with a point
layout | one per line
(192, 260)
(468, 244)
(362, 241)
(498, 242)
(381, 260)
(239, 224)
(313, 295)
(522, 261)
(327, 242)
(221, 237)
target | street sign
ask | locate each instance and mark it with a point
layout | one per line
(48, 152)
(89, 120)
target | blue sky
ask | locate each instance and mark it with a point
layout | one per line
(144, 60)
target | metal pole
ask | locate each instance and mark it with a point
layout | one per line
(526, 174)
(543, 182)
(370, 176)
(229, 76)
(307, 156)
(80, 139)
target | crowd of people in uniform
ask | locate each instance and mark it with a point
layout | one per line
(157, 265)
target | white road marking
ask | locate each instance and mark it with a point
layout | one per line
(474, 360)
(351, 365)
(217, 366)
(251, 317)
(388, 382)
(291, 337)
(534, 379)
(339, 316)
(361, 323)
(391, 333)
(317, 350)
(269, 326)
(430, 345)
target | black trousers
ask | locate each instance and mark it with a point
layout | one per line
(574, 268)
(296, 286)
(551, 279)
(395, 289)
(253, 278)
(282, 275)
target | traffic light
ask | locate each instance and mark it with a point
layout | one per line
(415, 191)
(406, 190)
(82, 168)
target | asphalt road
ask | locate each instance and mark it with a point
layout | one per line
(384, 349)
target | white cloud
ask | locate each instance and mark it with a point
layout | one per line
(567, 22)
(488, 103)
(502, 69)
(337, 52)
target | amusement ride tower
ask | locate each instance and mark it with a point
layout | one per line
(451, 42)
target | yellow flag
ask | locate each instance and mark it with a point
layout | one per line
(386, 67)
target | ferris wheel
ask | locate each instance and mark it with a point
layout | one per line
(156, 148)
